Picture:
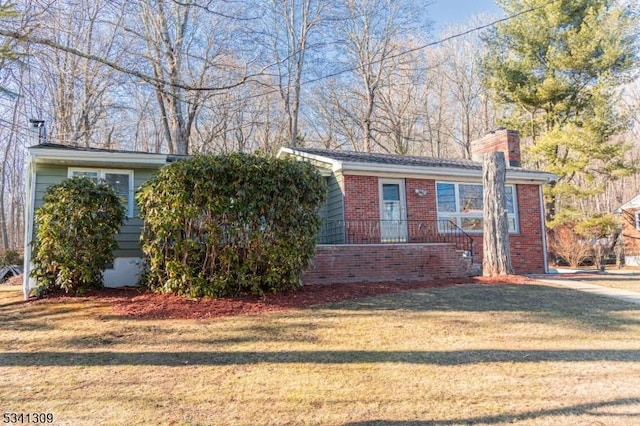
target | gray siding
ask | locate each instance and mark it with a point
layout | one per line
(129, 237)
(332, 212)
(45, 177)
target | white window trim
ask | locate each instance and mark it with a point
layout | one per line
(637, 216)
(101, 175)
(457, 215)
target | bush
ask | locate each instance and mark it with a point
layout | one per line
(75, 235)
(580, 241)
(566, 245)
(230, 225)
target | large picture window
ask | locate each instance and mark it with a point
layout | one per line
(120, 180)
(461, 203)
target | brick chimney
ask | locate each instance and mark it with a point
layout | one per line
(504, 140)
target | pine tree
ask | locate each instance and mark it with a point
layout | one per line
(557, 68)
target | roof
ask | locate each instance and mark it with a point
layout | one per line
(351, 161)
(50, 145)
(634, 203)
(52, 153)
(404, 160)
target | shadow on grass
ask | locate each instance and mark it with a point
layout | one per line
(221, 358)
(573, 410)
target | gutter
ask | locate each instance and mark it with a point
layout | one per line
(58, 156)
(403, 171)
(545, 254)
(518, 176)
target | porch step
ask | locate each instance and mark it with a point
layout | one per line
(475, 269)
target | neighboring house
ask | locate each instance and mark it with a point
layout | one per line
(391, 217)
(630, 217)
(48, 164)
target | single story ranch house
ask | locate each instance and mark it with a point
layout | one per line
(387, 217)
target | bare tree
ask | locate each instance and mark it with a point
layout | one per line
(291, 26)
(77, 94)
(400, 111)
(473, 113)
(370, 35)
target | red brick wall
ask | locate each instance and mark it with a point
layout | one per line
(421, 208)
(338, 264)
(361, 198)
(630, 234)
(526, 246)
(504, 140)
(362, 202)
(362, 205)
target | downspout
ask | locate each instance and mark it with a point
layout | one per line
(545, 255)
(28, 228)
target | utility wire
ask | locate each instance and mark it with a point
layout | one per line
(434, 43)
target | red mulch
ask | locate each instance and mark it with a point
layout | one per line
(141, 303)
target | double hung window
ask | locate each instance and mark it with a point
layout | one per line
(120, 180)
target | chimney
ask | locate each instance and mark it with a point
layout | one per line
(500, 140)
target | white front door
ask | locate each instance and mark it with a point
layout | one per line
(393, 222)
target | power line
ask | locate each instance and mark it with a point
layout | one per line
(434, 43)
(231, 102)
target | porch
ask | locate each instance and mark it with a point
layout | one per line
(391, 251)
(335, 232)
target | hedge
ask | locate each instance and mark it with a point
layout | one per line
(230, 225)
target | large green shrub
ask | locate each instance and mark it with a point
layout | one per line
(230, 225)
(75, 235)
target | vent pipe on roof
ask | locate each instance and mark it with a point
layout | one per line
(42, 130)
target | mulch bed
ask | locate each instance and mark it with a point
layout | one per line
(141, 303)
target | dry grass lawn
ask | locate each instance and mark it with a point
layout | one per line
(467, 354)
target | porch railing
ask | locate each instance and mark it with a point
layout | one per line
(395, 232)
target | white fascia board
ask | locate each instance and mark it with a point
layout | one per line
(124, 158)
(392, 170)
(335, 164)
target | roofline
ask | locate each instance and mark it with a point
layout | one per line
(350, 167)
(336, 164)
(45, 154)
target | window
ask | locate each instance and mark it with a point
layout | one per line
(461, 203)
(120, 180)
(638, 220)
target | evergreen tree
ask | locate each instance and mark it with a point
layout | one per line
(557, 68)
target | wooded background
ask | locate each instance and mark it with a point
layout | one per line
(214, 76)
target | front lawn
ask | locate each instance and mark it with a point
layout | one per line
(466, 354)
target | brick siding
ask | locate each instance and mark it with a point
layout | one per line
(527, 256)
(340, 264)
(630, 234)
(361, 202)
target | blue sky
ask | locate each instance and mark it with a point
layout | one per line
(445, 12)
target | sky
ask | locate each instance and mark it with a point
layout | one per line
(446, 12)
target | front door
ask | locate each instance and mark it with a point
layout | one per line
(393, 223)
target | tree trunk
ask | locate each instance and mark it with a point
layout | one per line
(496, 254)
